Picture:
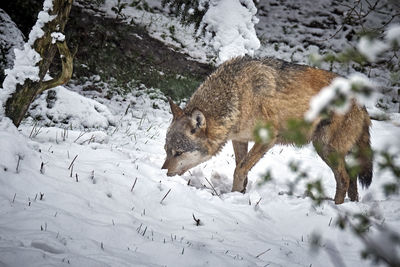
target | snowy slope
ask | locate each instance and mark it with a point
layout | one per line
(291, 30)
(95, 218)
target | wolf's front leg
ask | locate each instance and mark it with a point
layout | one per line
(241, 150)
(239, 181)
(243, 168)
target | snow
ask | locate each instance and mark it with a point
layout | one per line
(264, 135)
(13, 146)
(57, 37)
(393, 33)
(371, 48)
(230, 33)
(101, 217)
(54, 106)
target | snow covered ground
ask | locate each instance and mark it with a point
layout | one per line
(99, 198)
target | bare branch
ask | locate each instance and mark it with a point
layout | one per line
(67, 67)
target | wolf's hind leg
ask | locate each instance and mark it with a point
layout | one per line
(336, 162)
(353, 192)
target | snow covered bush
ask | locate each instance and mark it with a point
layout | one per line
(227, 26)
(54, 108)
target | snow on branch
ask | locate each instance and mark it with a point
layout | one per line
(26, 60)
(371, 48)
(57, 37)
(43, 18)
(392, 35)
(338, 96)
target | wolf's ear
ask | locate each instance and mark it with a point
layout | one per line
(175, 109)
(198, 119)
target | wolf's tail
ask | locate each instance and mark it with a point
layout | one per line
(365, 157)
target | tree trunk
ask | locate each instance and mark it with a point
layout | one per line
(18, 103)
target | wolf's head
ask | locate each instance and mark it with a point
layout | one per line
(186, 141)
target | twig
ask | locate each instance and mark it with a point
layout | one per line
(134, 183)
(19, 159)
(198, 223)
(140, 227)
(35, 130)
(14, 197)
(211, 186)
(70, 165)
(145, 229)
(126, 111)
(42, 168)
(80, 135)
(258, 202)
(90, 140)
(165, 196)
(64, 134)
(262, 253)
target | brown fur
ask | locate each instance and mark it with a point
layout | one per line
(244, 92)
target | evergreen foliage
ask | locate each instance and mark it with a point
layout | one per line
(188, 11)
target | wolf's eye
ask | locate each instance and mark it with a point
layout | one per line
(177, 153)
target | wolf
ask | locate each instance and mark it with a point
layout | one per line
(244, 92)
